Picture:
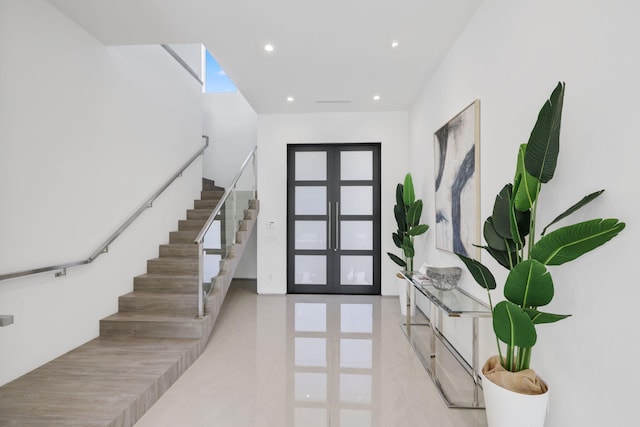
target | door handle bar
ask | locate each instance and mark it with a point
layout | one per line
(329, 225)
(337, 239)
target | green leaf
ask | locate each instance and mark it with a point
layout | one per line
(397, 240)
(414, 213)
(399, 195)
(397, 259)
(572, 209)
(528, 191)
(408, 194)
(507, 259)
(513, 220)
(494, 240)
(480, 273)
(407, 247)
(523, 219)
(544, 143)
(568, 243)
(502, 212)
(418, 229)
(513, 326)
(529, 284)
(401, 219)
(538, 317)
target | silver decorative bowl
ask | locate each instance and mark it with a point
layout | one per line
(444, 278)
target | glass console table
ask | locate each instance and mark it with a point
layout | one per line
(454, 303)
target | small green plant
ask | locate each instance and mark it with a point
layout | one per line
(529, 284)
(407, 212)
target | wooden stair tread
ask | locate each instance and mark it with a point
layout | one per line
(173, 259)
(168, 276)
(157, 295)
(150, 317)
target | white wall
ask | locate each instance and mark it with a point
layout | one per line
(275, 132)
(87, 133)
(231, 124)
(511, 56)
(193, 55)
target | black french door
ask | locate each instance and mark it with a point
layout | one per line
(333, 219)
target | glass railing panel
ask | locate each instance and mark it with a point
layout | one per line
(230, 222)
(244, 191)
(220, 237)
(212, 254)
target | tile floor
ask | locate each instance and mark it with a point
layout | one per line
(306, 361)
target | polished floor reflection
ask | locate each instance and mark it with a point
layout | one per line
(306, 361)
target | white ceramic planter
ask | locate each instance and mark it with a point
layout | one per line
(506, 408)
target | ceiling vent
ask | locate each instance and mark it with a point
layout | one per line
(333, 101)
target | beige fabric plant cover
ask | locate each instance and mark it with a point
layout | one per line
(524, 382)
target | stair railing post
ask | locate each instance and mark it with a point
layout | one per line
(255, 174)
(234, 210)
(200, 279)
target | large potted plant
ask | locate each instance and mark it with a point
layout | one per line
(407, 212)
(511, 239)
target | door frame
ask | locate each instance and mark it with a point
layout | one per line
(333, 169)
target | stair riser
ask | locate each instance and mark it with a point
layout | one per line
(199, 213)
(205, 204)
(182, 236)
(191, 224)
(171, 266)
(169, 284)
(151, 329)
(170, 305)
(187, 250)
(212, 194)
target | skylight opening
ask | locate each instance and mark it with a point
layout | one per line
(216, 80)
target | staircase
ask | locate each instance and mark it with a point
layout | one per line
(164, 301)
(143, 349)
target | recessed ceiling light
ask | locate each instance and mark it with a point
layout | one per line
(289, 98)
(394, 44)
(268, 47)
(376, 97)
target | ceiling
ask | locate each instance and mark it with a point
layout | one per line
(324, 51)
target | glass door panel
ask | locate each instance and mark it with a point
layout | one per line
(311, 166)
(356, 165)
(311, 269)
(311, 200)
(356, 270)
(356, 200)
(356, 235)
(311, 235)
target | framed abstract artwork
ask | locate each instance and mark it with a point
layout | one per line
(457, 180)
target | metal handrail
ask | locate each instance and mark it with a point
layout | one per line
(200, 237)
(182, 62)
(103, 248)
